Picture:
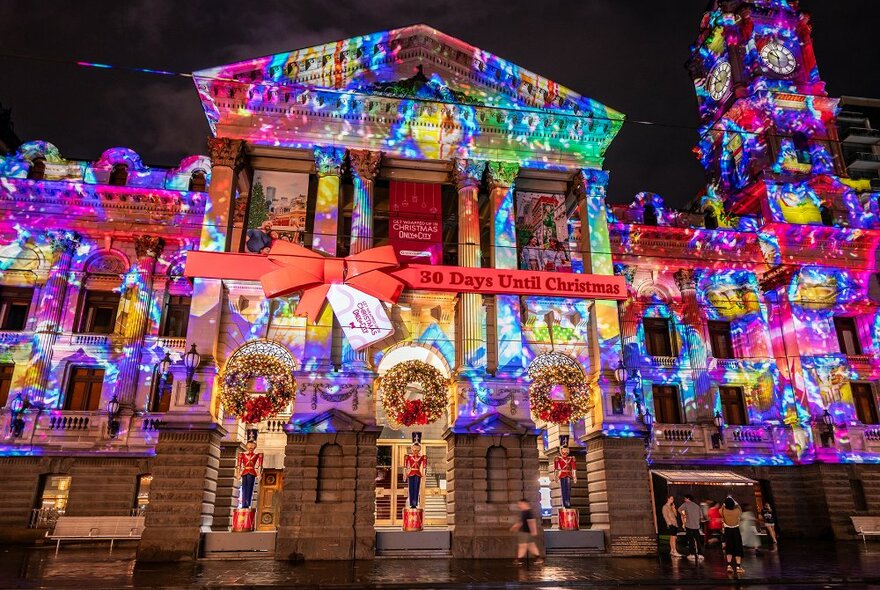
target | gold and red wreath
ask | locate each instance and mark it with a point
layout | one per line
(235, 387)
(419, 411)
(579, 401)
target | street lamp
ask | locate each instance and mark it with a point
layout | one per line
(718, 437)
(17, 406)
(648, 421)
(112, 413)
(191, 361)
(617, 397)
(828, 435)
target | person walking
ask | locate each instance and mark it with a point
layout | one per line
(769, 518)
(715, 526)
(526, 534)
(690, 517)
(731, 515)
(670, 516)
(747, 527)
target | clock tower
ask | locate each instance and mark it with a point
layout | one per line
(768, 137)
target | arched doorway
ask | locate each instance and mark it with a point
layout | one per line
(394, 443)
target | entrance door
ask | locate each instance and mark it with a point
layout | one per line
(269, 499)
(391, 488)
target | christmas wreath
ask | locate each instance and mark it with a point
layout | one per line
(419, 411)
(579, 400)
(235, 387)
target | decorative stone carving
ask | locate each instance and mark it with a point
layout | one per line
(149, 246)
(328, 160)
(627, 271)
(106, 264)
(685, 279)
(63, 241)
(364, 163)
(502, 174)
(226, 152)
(467, 173)
(589, 181)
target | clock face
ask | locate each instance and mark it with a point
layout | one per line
(718, 82)
(778, 58)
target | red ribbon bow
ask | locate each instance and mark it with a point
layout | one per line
(303, 270)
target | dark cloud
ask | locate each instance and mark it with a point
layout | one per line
(629, 55)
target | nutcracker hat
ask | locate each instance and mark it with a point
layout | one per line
(563, 440)
(417, 438)
(251, 435)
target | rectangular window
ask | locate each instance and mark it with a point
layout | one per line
(142, 495)
(176, 317)
(15, 304)
(162, 389)
(847, 336)
(863, 399)
(51, 501)
(657, 337)
(667, 409)
(99, 312)
(732, 406)
(84, 389)
(6, 370)
(721, 341)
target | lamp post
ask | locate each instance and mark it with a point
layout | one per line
(617, 398)
(17, 406)
(718, 436)
(648, 421)
(828, 435)
(191, 361)
(112, 414)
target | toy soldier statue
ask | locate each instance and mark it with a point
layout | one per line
(415, 464)
(248, 467)
(565, 471)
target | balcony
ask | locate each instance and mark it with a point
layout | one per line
(680, 441)
(863, 162)
(861, 136)
(10, 338)
(860, 361)
(664, 362)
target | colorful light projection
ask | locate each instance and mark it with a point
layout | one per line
(411, 92)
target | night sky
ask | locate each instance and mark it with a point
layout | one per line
(627, 54)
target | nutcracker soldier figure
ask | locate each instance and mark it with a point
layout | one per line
(565, 470)
(415, 464)
(248, 467)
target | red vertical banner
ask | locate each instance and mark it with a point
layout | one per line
(415, 225)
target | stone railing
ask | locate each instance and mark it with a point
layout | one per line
(171, 343)
(666, 362)
(862, 438)
(747, 434)
(62, 422)
(89, 339)
(698, 439)
(44, 518)
(860, 361)
(676, 433)
(10, 337)
(276, 426)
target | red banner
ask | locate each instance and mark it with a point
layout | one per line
(226, 265)
(414, 222)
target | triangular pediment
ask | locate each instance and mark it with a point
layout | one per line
(413, 92)
(495, 424)
(332, 420)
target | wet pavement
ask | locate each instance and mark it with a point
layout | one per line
(801, 565)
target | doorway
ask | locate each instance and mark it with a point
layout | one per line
(391, 487)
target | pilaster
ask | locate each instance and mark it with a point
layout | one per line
(685, 280)
(328, 165)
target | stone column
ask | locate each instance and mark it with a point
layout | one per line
(502, 237)
(140, 299)
(697, 345)
(468, 175)
(227, 160)
(183, 491)
(49, 313)
(328, 164)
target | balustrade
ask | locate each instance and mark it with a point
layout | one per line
(69, 422)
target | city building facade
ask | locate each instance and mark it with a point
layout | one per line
(450, 207)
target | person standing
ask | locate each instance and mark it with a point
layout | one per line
(670, 516)
(747, 528)
(690, 517)
(731, 515)
(526, 534)
(770, 522)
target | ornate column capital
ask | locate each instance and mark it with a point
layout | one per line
(467, 173)
(226, 152)
(501, 174)
(365, 163)
(63, 241)
(778, 276)
(627, 271)
(685, 279)
(328, 160)
(590, 182)
(148, 246)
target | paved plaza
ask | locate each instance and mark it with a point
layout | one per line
(801, 565)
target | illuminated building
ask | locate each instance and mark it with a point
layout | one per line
(745, 324)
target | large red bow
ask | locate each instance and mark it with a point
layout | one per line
(303, 270)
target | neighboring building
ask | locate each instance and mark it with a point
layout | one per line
(744, 355)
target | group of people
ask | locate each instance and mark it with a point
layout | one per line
(727, 522)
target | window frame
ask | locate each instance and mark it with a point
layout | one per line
(740, 401)
(85, 323)
(862, 389)
(7, 371)
(843, 324)
(174, 303)
(666, 333)
(11, 296)
(714, 329)
(90, 381)
(671, 392)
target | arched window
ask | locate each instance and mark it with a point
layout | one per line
(496, 475)
(119, 175)
(37, 170)
(330, 484)
(649, 215)
(198, 182)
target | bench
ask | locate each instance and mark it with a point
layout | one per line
(96, 528)
(866, 526)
